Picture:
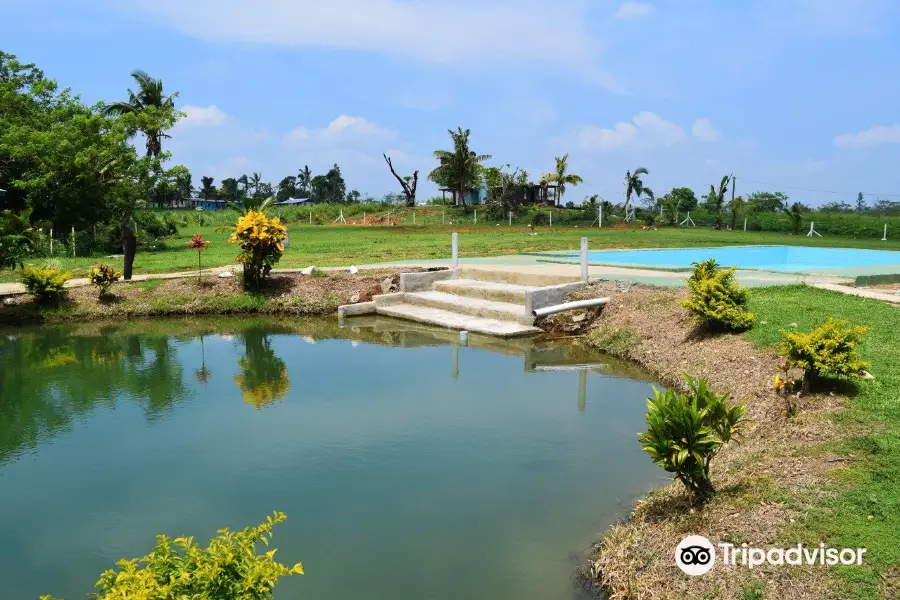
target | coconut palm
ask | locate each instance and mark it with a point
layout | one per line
(149, 95)
(715, 201)
(561, 178)
(633, 186)
(206, 192)
(304, 180)
(255, 181)
(459, 167)
(244, 181)
(795, 213)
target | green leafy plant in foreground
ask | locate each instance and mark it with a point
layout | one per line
(829, 350)
(717, 300)
(47, 285)
(230, 568)
(686, 431)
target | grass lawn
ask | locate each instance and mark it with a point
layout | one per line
(864, 510)
(336, 245)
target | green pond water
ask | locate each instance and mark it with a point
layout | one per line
(408, 466)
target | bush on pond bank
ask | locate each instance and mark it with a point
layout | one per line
(261, 240)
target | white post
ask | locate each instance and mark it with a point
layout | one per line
(600, 216)
(364, 218)
(476, 216)
(884, 239)
(73, 242)
(310, 217)
(584, 259)
(551, 218)
(414, 217)
(51, 241)
(676, 217)
(454, 243)
(745, 223)
(510, 218)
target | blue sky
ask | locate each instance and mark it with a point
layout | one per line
(800, 93)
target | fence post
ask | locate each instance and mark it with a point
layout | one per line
(73, 242)
(476, 216)
(51, 241)
(745, 223)
(414, 217)
(584, 259)
(551, 218)
(364, 217)
(454, 243)
(310, 217)
(884, 238)
(510, 218)
(443, 217)
(599, 216)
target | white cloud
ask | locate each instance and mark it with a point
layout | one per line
(645, 129)
(631, 10)
(885, 134)
(703, 130)
(203, 116)
(342, 130)
(470, 33)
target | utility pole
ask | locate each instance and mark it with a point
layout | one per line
(733, 185)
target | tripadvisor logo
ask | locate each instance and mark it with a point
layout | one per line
(696, 555)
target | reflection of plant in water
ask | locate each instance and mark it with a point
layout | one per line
(202, 374)
(263, 377)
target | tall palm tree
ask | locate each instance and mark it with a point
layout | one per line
(304, 180)
(715, 201)
(149, 94)
(230, 189)
(255, 181)
(458, 167)
(207, 190)
(561, 178)
(795, 213)
(244, 181)
(633, 186)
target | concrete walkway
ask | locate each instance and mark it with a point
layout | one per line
(861, 292)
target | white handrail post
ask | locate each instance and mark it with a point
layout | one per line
(584, 259)
(454, 243)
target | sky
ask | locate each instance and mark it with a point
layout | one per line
(788, 95)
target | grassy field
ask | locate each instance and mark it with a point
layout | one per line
(863, 508)
(336, 245)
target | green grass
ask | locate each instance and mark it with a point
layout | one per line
(871, 485)
(339, 245)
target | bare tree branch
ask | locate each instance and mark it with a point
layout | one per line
(408, 191)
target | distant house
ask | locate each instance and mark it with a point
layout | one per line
(207, 203)
(535, 194)
(295, 201)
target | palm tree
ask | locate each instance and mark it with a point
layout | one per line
(561, 178)
(244, 181)
(304, 180)
(795, 213)
(149, 94)
(229, 189)
(715, 201)
(633, 185)
(207, 190)
(458, 167)
(255, 181)
(737, 206)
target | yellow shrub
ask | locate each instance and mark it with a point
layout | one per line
(716, 300)
(261, 240)
(826, 351)
(46, 285)
(103, 276)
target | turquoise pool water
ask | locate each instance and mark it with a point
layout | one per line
(767, 258)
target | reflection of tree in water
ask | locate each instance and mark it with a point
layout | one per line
(263, 377)
(202, 374)
(48, 378)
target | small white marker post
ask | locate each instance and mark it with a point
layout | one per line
(454, 252)
(551, 218)
(745, 223)
(812, 230)
(884, 238)
(51, 241)
(476, 216)
(584, 259)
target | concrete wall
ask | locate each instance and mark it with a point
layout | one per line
(360, 308)
(549, 296)
(422, 282)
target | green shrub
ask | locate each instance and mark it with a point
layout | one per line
(47, 285)
(716, 300)
(230, 568)
(685, 431)
(103, 276)
(826, 351)
(539, 218)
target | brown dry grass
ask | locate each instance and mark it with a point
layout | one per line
(765, 483)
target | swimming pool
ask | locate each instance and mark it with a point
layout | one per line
(797, 259)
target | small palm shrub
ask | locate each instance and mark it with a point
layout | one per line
(716, 300)
(199, 244)
(686, 431)
(103, 276)
(829, 350)
(230, 568)
(47, 284)
(261, 240)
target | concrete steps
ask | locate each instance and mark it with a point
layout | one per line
(455, 320)
(478, 307)
(487, 290)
